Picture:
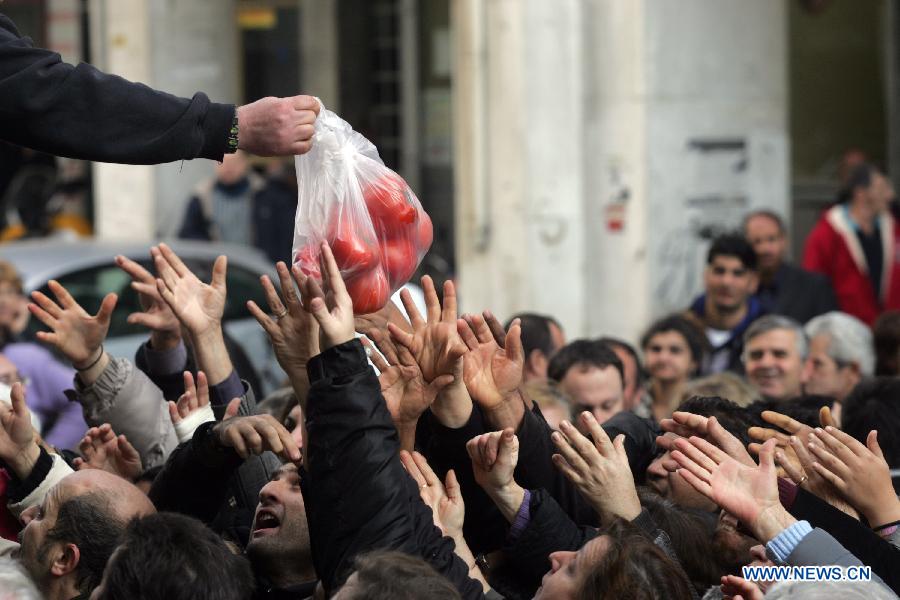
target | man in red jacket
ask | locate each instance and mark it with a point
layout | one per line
(855, 243)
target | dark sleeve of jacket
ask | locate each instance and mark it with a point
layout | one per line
(172, 384)
(856, 538)
(804, 294)
(484, 527)
(824, 299)
(205, 480)
(195, 225)
(81, 112)
(358, 496)
(536, 470)
(549, 530)
(194, 480)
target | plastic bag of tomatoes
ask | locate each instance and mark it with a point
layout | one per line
(369, 216)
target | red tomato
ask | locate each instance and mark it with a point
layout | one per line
(369, 290)
(425, 232)
(351, 251)
(389, 202)
(400, 260)
(308, 260)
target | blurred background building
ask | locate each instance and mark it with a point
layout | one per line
(576, 156)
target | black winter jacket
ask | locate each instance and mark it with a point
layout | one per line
(80, 112)
(358, 496)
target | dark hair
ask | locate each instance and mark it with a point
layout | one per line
(732, 417)
(167, 556)
(90, 522)
(804, 409)
(583, 352)
(617, 343)
(875, 404)
(633, 567)
(768, 214)
(691, 535)
(696, 341)
(391, 575)
(859, 176)
(536, 334)
(735, 245)
(886, 332)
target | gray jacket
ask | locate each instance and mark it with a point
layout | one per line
(819, 548)
(127, 399)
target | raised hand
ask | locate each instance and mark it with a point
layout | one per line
(748, 493)
(102, 449)
(404, 389)
(599, 469)
(293, 332)
(434, 343)
(491, 373)
(253, 435)
(784, 423)
(197, 305)
(685, 424)
(444, 499)
(18, 445)
(333, 312)
(195, 398)
(74, 332)
(859, 472)
(494, 458)
(156, 315)
(496, 327)
(797, 463)
(447, 506)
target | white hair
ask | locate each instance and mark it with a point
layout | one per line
(14, 583)
(829, 590)
(850, 340)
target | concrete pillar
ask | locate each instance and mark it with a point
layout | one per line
(124, 195)
(177, 47)
(517, 157)
(319, 51)
(599, 144)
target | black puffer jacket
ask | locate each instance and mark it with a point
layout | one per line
(358, 496)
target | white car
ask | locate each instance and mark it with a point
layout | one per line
(88, 270)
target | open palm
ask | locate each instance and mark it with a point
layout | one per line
(405, 391)
(434, 343)
(490, 372)
(199, 306)
(748, 493)
(74, 332)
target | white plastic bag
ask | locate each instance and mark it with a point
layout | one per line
(369, 216)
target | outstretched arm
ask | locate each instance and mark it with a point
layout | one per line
(81, 112)
(358, 496)
(111, 390)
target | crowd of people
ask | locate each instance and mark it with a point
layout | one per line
(745, 450)
(441, 455)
